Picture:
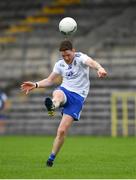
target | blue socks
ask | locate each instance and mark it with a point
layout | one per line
(52, 157)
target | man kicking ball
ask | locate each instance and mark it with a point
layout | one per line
(71, 94)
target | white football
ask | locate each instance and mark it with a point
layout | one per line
(67, 26)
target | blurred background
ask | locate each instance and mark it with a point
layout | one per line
(29, 42)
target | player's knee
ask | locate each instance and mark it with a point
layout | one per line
(61, 132)
(59, 95)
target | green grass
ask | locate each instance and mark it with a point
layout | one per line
(81, 157)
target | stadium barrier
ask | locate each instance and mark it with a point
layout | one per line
(121, 113)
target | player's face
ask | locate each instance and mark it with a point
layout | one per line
(68, 56)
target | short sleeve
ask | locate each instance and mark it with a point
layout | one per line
(56, 68)
(84, 57)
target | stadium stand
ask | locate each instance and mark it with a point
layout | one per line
(29, 39)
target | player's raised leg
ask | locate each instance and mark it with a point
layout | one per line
(65, 123)
(59, 98)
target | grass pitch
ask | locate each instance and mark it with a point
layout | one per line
(80, 157)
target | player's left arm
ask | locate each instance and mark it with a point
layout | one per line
(95, 65)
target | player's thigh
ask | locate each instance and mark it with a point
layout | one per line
(59, 94)
(66, 122)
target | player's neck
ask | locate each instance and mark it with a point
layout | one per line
(70, 61)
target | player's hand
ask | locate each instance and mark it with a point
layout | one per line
(28, 86)
(101, 73)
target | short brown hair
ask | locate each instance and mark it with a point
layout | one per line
(65, 45)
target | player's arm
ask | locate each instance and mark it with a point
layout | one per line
(95, 65)
(48, 81)
(28, 85)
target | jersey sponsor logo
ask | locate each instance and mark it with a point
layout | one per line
(71, 75)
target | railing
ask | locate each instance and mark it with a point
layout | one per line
(124, 109)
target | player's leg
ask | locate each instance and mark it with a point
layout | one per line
(65, 123)
(58, 99)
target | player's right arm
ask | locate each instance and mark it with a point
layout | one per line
(28, 85)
